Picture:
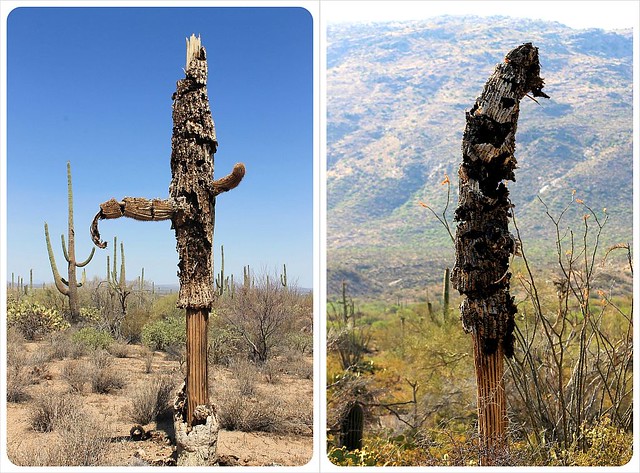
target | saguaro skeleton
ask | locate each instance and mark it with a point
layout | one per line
(483, 242)
(191, 209)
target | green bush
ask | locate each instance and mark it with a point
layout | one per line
(93, 338)
(160, 334)
(607, 445)
(33, 319)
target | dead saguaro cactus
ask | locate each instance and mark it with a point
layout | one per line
(190, 206)
(483, 242)
(68, 287)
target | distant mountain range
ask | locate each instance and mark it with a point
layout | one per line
(397, 95)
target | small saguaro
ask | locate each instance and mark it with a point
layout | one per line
(483, 242)
(351, 428)
(191, 209)
(68, 287)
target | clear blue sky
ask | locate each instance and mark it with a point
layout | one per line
(93, 86)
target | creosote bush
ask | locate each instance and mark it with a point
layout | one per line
(92, 338)
(163, 333)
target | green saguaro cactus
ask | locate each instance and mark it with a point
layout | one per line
(68, 287)
(283, 276)
(222, 283)
(445, 293)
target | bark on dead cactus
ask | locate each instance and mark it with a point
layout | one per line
(191, 208)
(483, 242)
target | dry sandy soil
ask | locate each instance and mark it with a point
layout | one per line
(111, 411)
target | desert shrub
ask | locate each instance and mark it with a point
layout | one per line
(148, 360)
(264, 413)
(14, 336)
(33, 319)
(77, 441)
(301, 342)
(18, 380)
(51, 410)
(103, 376)
(607, 445)
(151, 400)
(119, 350)
(75, 373)
(263, 313)
(18, 376)
(82, 443)
(133, 323)
(62, 346)
(271, 370)
(293, 363)
(160, 334)
(92, 338)
(246, 375)
(225, 344)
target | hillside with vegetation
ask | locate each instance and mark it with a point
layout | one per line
(397, 93)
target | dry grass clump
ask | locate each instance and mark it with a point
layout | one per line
(76, 374)
(103, 377)
(50, 410)
(264, 413)
(151, 400)
(19, 372)
(246, 375)
(62, 346)
(148, 360)
(18, 379)
(119, 350)
(77, 439)
(295, 364)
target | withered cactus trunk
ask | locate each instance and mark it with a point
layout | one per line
(191, 204)
(483, 242)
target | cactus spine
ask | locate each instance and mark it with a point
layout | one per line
(68, 287)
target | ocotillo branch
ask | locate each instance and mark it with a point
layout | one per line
(483, 242)
(190, 207)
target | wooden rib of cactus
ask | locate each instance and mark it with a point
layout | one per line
(483, 243)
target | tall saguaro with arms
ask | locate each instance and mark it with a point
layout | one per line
(483, 242)
(191, 209)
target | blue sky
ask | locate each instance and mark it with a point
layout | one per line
(93, 86)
